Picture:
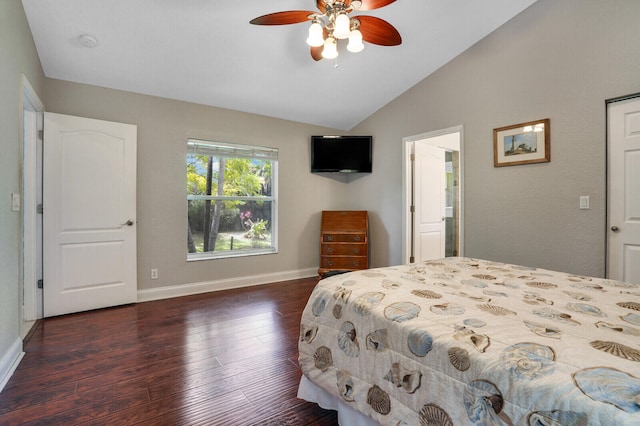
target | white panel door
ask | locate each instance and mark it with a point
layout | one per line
(89, 198)
(429, 200)
(624, 191)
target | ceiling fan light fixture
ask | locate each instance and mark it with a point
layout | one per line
(342, 26)
(316, 38)
(355, 41)
(330, 50)
(332, 22)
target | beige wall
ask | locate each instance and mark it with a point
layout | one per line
(17, 56)
(559, 59)
(163, 129)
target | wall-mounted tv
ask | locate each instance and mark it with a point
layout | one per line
(341, 154)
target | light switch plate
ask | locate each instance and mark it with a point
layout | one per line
(15, 202)
(584, 202)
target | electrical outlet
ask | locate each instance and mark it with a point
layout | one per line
(154, 274)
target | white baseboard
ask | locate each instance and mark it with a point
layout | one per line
(10, 362)
(226, 284)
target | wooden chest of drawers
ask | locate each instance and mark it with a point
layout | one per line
(344, 241)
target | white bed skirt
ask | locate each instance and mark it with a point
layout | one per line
(347, 416)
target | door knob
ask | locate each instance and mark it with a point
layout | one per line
(128, 223)
(615, 229)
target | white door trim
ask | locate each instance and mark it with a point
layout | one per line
(407, 143)
(31, 123)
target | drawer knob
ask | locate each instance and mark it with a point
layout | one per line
(330, 263)
(330, 249)
(356, 250)
(329, 237)
(356, 238)
(356, 263)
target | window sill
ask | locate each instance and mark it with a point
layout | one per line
(196, 257)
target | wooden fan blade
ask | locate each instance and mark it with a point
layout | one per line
(374, 4)
(284, 18)
(378, 31)
(316, 53)
(321, 6)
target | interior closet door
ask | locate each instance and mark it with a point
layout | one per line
(623, 257)
(89, 204)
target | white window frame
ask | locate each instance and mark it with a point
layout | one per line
(234, 150)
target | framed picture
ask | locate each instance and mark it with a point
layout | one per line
(524, 143)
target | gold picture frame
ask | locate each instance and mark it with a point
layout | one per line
(524, 143)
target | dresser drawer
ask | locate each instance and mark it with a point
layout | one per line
(345, 249)
(355, 237)
(343, 262)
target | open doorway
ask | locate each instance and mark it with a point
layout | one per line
(432, 195)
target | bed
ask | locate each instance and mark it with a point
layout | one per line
(461, 341)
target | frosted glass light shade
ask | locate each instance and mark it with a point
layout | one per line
(355, 42)
(342, 26)
(330, 50)
(316, 38)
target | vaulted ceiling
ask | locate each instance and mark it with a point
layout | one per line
(206, 52)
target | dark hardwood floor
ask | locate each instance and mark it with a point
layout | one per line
(222, 358)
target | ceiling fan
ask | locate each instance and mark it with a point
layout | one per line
(333, 22)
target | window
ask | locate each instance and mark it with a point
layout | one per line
(231, 200)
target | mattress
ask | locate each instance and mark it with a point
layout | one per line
(467, 341)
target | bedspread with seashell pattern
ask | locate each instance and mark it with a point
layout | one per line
(461, 341)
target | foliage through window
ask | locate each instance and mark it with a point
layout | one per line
(231, 199)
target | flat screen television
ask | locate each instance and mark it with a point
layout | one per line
(341, 154)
